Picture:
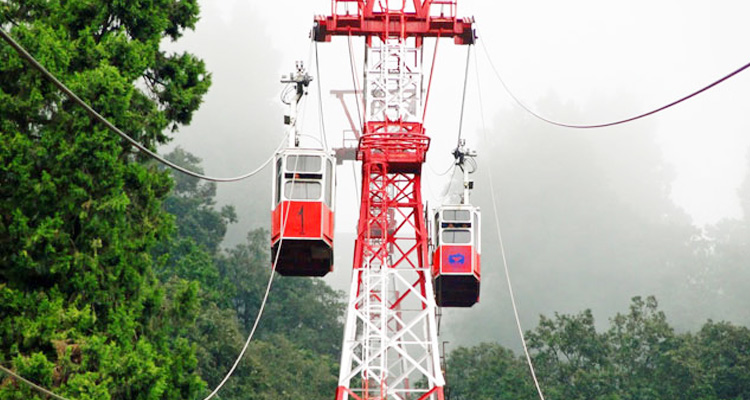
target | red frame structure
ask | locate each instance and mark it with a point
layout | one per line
(419, 23)
(383, 347)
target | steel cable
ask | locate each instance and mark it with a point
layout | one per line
(502, 249)
(463, 97)
(32, 384)
(28, 57)
(607, 124)
(355, 82)
(321, 121)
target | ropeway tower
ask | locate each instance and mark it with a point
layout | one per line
(390, 347)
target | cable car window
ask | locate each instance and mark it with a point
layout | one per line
(456, 215)
(278, 181)
(329, 183)
(303, 163)
(296, 190)
(456, 236)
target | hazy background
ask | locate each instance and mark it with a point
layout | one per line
(590, 218)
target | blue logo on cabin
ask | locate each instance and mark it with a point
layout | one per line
(456, 258)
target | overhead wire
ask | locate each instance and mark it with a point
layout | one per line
(429, 81)
(444, 192)
(606, 124)
(303, 102)
(450, 168)
(32, 384)
(265, 295)
(508, 280)
(322, 122)
(94, 114)
(463, 97)
(355, 82)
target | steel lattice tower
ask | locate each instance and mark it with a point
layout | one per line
(390, 348)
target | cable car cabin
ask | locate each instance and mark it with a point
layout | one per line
(455, 262)
(302, 215)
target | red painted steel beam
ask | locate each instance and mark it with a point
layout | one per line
(406, 25)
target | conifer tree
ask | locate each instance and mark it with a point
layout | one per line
(82, 311)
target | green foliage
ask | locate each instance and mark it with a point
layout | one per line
(82, 312)
(305, 310)
(487, 372)
(638, 357)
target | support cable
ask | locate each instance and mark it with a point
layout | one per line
(322, 122)
(31, 384)
(265, 296)
(72, 96)
(502, 248)
(432, 74)
(355, 82)
(607, 124)
(463, 98)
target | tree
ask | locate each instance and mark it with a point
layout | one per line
(82, 310)
(304, 310)
(487, 372)
(724, 359)
(641, 340)
(725, 252)
(572, 357)
(638, 357)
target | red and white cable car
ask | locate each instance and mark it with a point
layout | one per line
(457, 237)
(303, 197)
(456, 260)
(302, 219)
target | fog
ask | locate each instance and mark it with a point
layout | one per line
(589, 218)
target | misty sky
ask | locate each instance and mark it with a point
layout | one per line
(646, 52)
(600, 60)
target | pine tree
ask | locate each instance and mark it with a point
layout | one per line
(82, 311)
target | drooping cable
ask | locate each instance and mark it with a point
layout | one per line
(429, 81)
(502, 247)
(322, 122)
(72, 96)
(355, 82)
(446, 190)
(607, 124)
(463, 97)
(444, 173)
(265, 295)
(32, 384)
(257, 318)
